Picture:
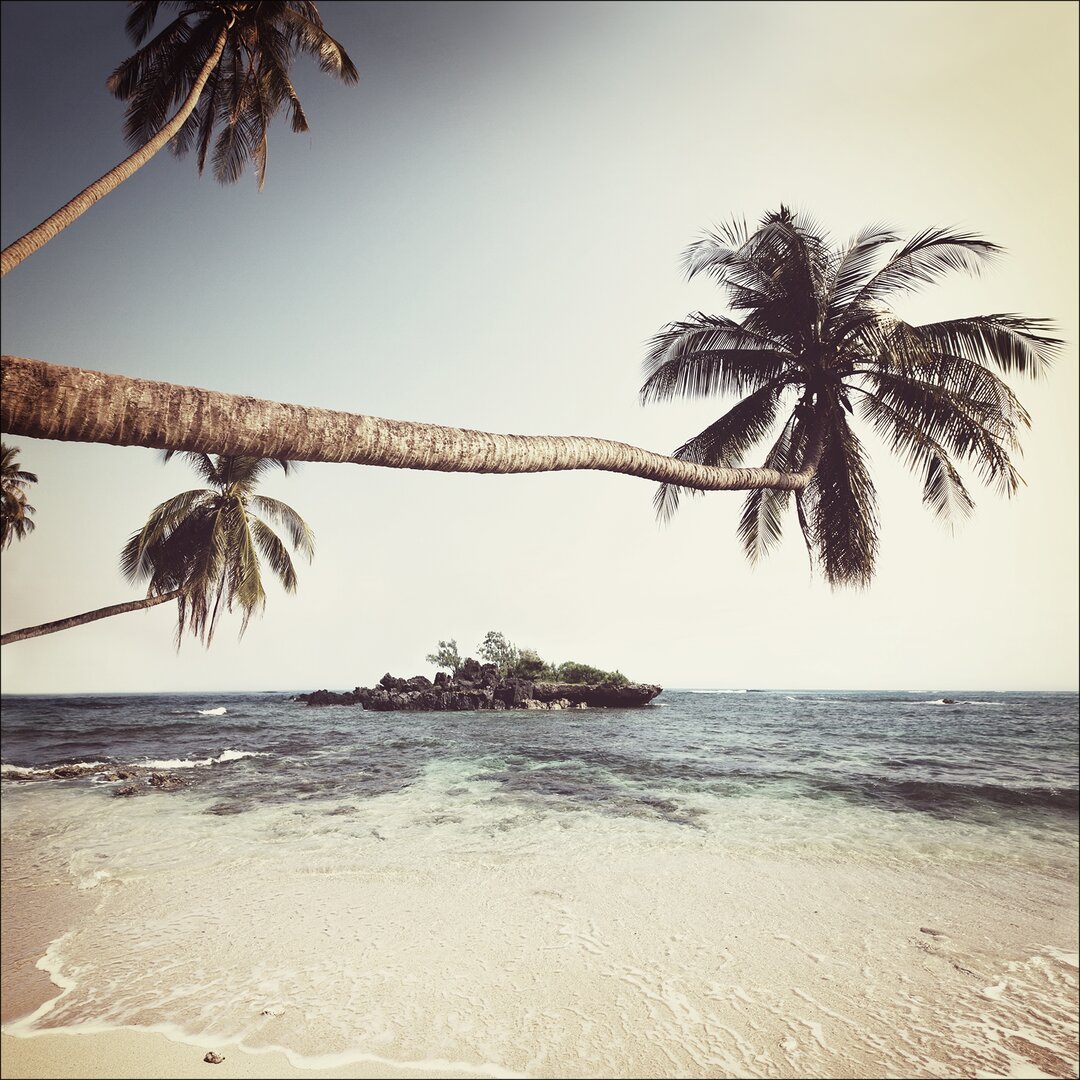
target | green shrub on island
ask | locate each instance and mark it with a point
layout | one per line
(517, 663)
(575, 672)
(446, 657)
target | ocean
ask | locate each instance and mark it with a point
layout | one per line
(721, 884)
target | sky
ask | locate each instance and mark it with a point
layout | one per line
(484, 232)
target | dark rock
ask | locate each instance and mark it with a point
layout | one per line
(213, 1059)
(932, 932)
(948, 701)
(128, 790)
(68, 772)
(478, 686)
(113, 775)
(166, 781)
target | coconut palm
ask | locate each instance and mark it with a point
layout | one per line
(202, 549)
(225, 68)
(815, 347)
(15, 521)
(207, 543)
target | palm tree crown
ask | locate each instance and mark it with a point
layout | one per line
(247, 87)
(14, 521)
(817, 345)
(207, 543)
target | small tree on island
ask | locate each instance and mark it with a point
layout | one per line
(495, 649)
(446, 657)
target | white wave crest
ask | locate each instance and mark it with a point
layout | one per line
(36, 770)
(959, 701)
(220, 711)
(196, 763)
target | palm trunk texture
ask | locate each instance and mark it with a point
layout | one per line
(38, 237)
(87, 617)
(50, 401)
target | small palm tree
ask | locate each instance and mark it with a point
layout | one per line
(15, 522)
(817, 346)
(222, 66)
(206, 544)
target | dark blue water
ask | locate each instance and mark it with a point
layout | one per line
(989, 755)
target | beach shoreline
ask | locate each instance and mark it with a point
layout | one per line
(126, 1054)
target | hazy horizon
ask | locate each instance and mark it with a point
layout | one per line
(484, 233)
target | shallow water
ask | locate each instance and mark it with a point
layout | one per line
(720, 884)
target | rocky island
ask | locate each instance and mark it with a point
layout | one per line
(483, 686)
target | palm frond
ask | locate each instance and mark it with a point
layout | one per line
(926, 257)
(275, 553)
(306, 32)
(944, 493)
(300, 533)
(1012, 343)
(706, 354)
(761, 524)
(853, 266)
(724, 442)
(841, 507)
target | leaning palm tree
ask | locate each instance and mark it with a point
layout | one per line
(68, 404)
(202, 549)
(15, 521)
(206, 544)
(225, 68)
(816, 347)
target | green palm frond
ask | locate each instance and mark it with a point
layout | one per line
(300, 534)
(706, 354)
(275, 553)
(853, 266)
(1011, 343)
(724, 442)
(841, 508)
(944, 493)
(761, 523)
(969, 428)
(924, 259)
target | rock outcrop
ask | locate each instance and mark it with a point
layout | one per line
(479, 686)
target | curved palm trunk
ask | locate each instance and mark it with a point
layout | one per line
(38, 237)
(87, 617)
(48, 401)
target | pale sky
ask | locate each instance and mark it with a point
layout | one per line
(484, 233)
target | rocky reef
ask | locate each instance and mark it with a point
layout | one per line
(480, 686)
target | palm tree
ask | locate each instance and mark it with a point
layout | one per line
(202, 549)
(816, 345)
(226, 67)
(52, 401)
(15, 521)
(207, 544)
